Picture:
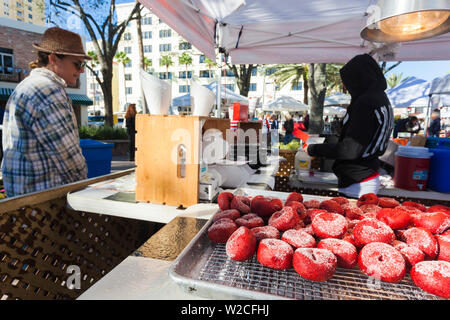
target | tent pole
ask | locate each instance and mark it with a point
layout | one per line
(219, 83)
(427, 119)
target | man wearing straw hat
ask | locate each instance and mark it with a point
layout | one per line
(41, 145)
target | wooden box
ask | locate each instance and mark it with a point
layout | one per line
(168, 157)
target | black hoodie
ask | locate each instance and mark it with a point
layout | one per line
(367, 126)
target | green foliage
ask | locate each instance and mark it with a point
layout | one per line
(103, 133)
(293, 145)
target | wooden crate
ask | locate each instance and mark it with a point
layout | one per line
(286, 166)
(160, 178)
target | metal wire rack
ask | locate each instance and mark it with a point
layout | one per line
(346, 284)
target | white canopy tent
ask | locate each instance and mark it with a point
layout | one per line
(226, 94)
(334, 111)
(412, 93)
(338, 99)
(285, 103)
(439, 95)
(287, 31)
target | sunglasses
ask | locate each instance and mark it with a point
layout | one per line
(78, 65)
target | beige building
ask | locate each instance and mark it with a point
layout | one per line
(29, 11)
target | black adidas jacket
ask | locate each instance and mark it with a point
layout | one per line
(367, 126)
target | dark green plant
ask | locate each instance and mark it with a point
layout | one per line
(103, 133)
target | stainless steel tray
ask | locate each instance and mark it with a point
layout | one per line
(204, 269)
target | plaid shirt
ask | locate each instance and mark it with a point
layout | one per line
(41, 146)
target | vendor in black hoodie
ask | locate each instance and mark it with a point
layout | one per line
(366, 128)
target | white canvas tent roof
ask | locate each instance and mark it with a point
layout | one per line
(334, 111)
(338, 99)
(440, 92)
(412, 93)
(285, 31)
(225, 93)
(286, 103)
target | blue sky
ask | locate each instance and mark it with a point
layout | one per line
(427, 70)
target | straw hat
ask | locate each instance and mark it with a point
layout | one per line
(60, 41)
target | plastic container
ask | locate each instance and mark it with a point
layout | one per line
(98, 157)
(411, 168)
(439, 179)
(435, 142)
(302, 161)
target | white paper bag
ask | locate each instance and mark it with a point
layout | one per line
(202, 99)
(158, 93)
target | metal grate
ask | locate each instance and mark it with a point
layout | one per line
(346, 284)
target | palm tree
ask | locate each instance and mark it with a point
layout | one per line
(291, 74)
(147, 63)
(166, 60)
(395, 79)
(334, 81)
(211, 64)
(185, 59)
(121, 57)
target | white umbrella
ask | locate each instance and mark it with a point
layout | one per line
(286, 103)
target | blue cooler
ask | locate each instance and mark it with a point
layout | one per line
(439, 176)
(98, 156)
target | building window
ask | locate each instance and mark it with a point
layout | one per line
(252, 87)
(129, 90)
(30, 16)
(127, 50)
(270, 71)
(165, 75)
(6, 62)
(185, 46)
(165, 33)
(146, 21)
(148, 48)
(182, 75)
(127, 36)
(254, 71)
(227, 73)
(184, 89)
(147, 35)
(205, 74)
(129, 64)
(297, 86)
(165, 47)
(202, 59)
(128, 77)
(230, 86)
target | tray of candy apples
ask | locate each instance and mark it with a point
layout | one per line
(310, 247)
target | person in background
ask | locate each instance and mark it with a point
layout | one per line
(366, 129)
(410, 125)
(335, 125)
(130, 121)
(274, 129)
(289, 128)
(306, 121)
(435, 126)
(41, 145)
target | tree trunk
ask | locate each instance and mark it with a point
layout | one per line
(317, 88)
(106, 86)
(141, 54)
(305, 88)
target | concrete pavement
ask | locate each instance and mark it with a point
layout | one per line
(120, 163)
